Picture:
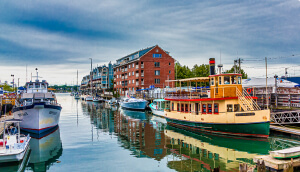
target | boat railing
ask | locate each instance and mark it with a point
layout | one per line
(246, 101)
(191, 94)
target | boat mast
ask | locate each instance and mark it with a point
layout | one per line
(91, 76)
(77, 80)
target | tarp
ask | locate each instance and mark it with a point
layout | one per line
(261, 82)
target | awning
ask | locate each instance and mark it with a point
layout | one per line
(196, 79)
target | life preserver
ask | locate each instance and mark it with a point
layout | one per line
(249, 90)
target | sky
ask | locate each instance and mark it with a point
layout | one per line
(58, 37)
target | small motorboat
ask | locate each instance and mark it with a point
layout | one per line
(134, 104)
(89, 98)
(13, 146)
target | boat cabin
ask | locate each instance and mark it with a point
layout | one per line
(34, 87)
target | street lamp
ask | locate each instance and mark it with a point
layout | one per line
(13, 81)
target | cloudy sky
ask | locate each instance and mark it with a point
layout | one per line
(58, 37)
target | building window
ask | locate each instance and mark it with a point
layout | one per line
(129, 66)
(229, 108)
(133, 81)
(117, 69)
(156, 64)
(129, 81)
(216, 108)
(132, 64)
(117, 76)
(156, 55)
(132, 73)
(157, 50)
(169, 64)
(129, 73)
(157, 81)
(157, 72)
(169, 71)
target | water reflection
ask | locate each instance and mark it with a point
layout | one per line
(45, 150)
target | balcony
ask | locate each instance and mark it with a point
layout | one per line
(137, 75)
(137, 66)
(142, 74)
(142, 83)
(122, 70)
(122, 77)
(126, 77)
(137, 83)
(142, 66)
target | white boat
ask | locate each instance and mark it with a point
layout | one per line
(37, 108)
(158, 106)
(13, 146)
(134, 104)
(77, 96)
(89, 98)
(98, 99)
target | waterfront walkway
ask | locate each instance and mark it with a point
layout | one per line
(283, 129)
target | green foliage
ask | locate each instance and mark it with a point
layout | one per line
(6, 87)
(244, 75)
(182, 72)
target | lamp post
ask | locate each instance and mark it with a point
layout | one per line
(13, 82)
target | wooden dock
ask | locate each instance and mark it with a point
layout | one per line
(284, 129)
(276, 164)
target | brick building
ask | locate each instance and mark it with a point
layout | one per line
(143, 68)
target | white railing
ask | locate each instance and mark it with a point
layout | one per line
(142, 74)
(142, 83)
(137, 75)
(137, 83)
(126, 69)
(142, 65)
(137, 66)
(246, 101)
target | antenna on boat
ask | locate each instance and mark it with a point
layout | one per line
(220, 65)
(37, 74)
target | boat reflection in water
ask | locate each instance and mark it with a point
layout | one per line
(137, 134)
(198, 152)
(45, 150)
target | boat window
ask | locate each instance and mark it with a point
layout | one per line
(236, 107)
(172, 106)
(30, 86)
(216, 108)
(220, 80)
(209, 108)
(155, 103)
(182, 107)
(226, 79)
(186, 108)
(178, 106)
(190, 107)
(203, 108)
(233, 80)
(239, 80)
(43, 86)
(229, 108)
(212, 81)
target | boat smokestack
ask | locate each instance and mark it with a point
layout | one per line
(212, 66)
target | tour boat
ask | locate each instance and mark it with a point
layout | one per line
(37, 107)
(158, 106)
(134, 104)
(13, 146)
(224, 108)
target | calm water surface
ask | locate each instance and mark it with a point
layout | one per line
(91, 137)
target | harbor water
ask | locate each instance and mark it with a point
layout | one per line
(92, 137)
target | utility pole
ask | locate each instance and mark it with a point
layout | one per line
(267, 99)
(18, 82)
(276, 97)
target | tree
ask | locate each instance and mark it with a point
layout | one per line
(244, 74)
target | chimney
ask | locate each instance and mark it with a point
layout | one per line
(212, 66)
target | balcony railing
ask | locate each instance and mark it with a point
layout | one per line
(137, 66)
(122, 70)
(142, 83)
(137, 83)
(137, 75)
(126, 69)
(142, 65)
(126, 77)
(142, 74)
(122, 77)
